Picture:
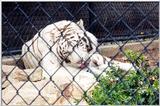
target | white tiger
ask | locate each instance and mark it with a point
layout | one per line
(63, 42)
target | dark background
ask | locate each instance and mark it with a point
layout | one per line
(108, 21)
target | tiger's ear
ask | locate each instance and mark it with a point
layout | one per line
(80, 24)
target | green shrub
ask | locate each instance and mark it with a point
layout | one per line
(132, 88)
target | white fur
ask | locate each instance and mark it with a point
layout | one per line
(104, 66)
(87, 77)
(50, 61)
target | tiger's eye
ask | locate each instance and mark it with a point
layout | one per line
(88, 48)
(67, 61)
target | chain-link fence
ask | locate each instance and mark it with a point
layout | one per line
(110, 22)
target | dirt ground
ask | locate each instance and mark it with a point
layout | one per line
(151, 55)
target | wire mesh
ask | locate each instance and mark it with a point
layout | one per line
(108, 21)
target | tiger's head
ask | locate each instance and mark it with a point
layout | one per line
(76, 45)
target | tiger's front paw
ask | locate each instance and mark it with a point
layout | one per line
(97, 60)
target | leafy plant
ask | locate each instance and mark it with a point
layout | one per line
(136, 57)
(134, 87)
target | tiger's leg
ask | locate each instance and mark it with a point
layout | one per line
(101, 62)
(49, 65)
(29, 58)
(121, 65)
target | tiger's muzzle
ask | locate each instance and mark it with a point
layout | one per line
(82, 64)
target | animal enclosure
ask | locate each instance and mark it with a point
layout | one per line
(126, 31)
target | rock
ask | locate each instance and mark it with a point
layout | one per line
(22, 74)
(63, 89)
(7, 74)
(28, 74)
(5, 82)
(49, 95)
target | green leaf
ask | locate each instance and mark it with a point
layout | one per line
(133, 88)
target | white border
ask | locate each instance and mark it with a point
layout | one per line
(64, 1)
(81, 0)
(1, 53)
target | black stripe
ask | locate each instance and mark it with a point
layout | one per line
(84, 40)
(89, 42)
(59, 54)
